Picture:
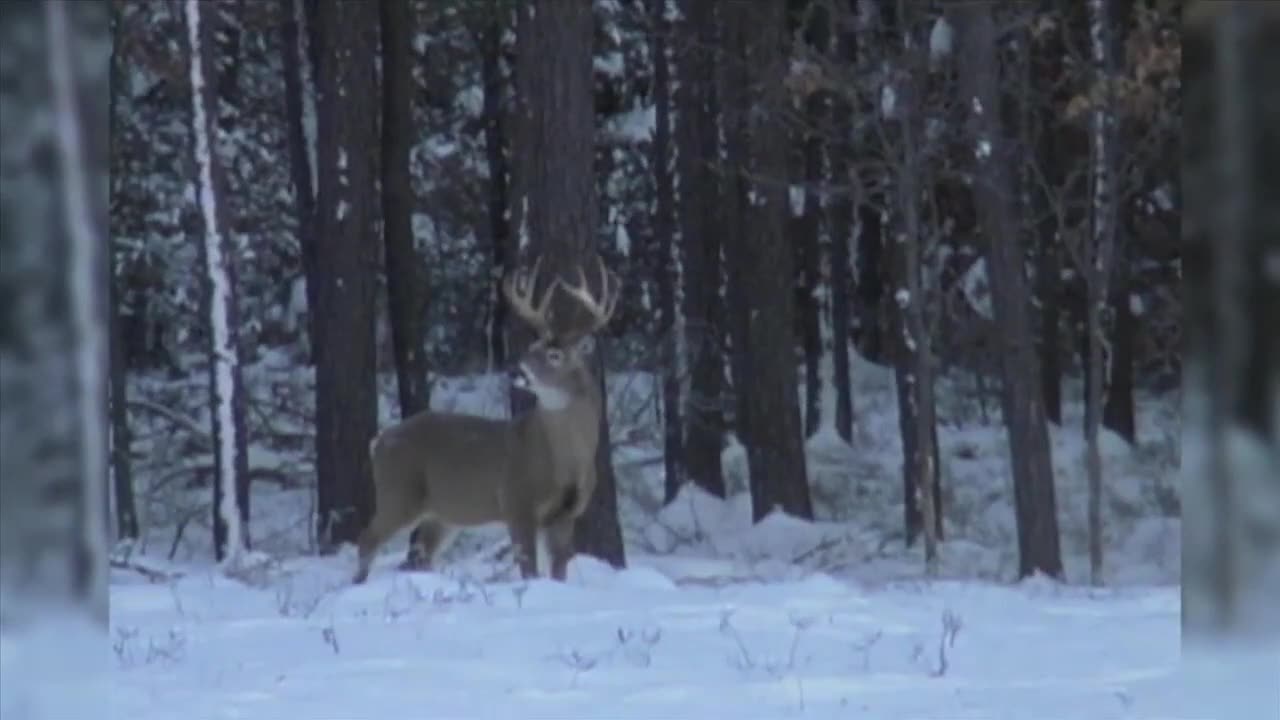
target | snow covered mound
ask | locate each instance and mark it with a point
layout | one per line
(640, 643)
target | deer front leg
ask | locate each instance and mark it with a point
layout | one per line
(431, 535)
(523, 529)
(559, 537)
(388, 519)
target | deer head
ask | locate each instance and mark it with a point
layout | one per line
(555, 367)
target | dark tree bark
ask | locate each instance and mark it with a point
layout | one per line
(1118, 412)
(663, 247)
(118, 358)
(495, 148)
(221, 308)
(870, 288)
(1044, 66)
(347, 256)
(121, 434)
(913, 356)
(775, 443)
(805, 237)
(697, 154)
(406, 279)
(1034, 498)
(299, 51)
(734, 83)
(1048, 270)
(841, 231)
(556, 195)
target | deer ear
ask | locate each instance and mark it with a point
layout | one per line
(585, 345)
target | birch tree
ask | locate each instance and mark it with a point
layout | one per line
(1094, 261)
(1232, 438)
(120, 442)
(665, 265)
(217, 256)
(85, 225)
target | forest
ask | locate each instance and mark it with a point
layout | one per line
(887, 291)
(789, 195)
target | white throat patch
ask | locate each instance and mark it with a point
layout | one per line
(549, 398)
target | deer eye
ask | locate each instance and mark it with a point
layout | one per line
(555, 357)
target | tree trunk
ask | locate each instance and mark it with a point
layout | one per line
(808, 241)
(557, 193)
(346, 260)
(840, 230)
(218, 253)
(1048, 269)
(1095, 262)
(406, 279)
(495, 148)
(300, 105)
(126, 510)
(734, 82)
(697, 153)
(1232, 283)
(1022, 406)
(121, 434)
(775, 442)
(1118, 412)
(922, 482)
(86, 221)
(810, 237)
(664, 249)
(1044, 60)
(870, 278)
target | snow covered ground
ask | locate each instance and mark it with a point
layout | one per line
(663, 639)
(715, 616)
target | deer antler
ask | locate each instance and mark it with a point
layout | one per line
(518, 288)
(601, 309)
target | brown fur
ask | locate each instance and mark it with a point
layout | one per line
(532, 473)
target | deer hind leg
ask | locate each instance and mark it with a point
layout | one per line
(559, 538)
(388, 519)
(430, 536)
(524, 542)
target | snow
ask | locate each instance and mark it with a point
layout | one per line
(941, 39)
(715, 616)
(652, 641)
(888, 101)
(225, 352)
(631, 126)
(977, 288)
(621, 238)
(797, 196)
(1136, 305)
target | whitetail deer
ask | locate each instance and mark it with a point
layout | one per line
(534, 472)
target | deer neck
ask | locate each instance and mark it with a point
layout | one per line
(568, 431)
